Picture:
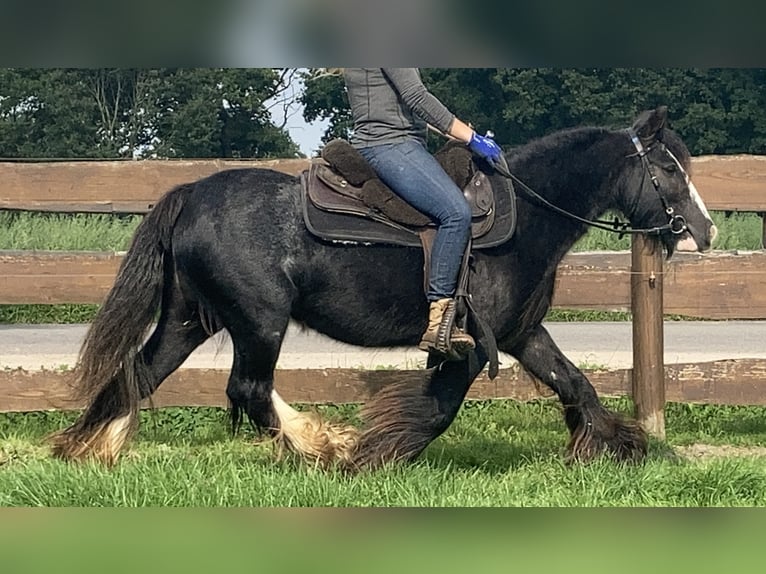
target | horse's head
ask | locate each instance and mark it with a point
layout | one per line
(660, 192)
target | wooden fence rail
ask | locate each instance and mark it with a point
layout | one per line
(719, 286)
(727, 183)
(724, 285)
(734, 382)
(110, 186)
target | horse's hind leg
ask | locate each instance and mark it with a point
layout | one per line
(105, 425)
(257, 339)
(593, 428)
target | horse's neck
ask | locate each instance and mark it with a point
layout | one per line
(576, 185)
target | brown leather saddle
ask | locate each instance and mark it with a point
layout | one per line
(343, 200)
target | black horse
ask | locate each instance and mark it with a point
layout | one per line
(231, 251)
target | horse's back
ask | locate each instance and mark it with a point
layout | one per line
(233, 189)
(239, 199)
(235, 218)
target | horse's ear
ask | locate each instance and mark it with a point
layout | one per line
(649, 124)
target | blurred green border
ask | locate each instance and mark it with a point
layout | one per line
(385, 541)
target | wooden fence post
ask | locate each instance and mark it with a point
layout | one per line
(648, 342)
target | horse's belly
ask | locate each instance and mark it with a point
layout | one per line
(356, 325)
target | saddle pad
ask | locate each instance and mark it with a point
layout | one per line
(346, 218)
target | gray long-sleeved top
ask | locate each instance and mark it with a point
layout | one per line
(392, 104)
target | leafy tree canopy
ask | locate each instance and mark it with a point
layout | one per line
(716, 111)
(112, 113)
(214, 112)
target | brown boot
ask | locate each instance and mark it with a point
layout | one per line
(441, 323)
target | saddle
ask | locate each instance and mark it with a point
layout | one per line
(344, 200)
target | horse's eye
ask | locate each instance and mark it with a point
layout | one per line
(670, 167)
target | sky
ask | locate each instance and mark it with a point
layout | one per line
(307, 136)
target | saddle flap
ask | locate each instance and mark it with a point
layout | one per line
(334, 180)
(331, 192)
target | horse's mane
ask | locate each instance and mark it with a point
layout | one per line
(539, 146)
(587, 134)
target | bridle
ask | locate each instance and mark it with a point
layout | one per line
(676, 223)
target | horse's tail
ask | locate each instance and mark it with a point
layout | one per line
(109, 374)
(131, 305)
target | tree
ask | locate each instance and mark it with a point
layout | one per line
(716, 111)
(48, 113)
(99, 113)
(219, 113)
(324, 98)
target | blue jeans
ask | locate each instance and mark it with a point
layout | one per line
(410, 170)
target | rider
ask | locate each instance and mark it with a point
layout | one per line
(391, 109)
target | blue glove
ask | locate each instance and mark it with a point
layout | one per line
(485, 147)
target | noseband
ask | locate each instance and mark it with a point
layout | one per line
(677, 223)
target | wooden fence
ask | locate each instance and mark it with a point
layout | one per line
(725, 285)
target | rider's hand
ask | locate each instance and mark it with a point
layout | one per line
(485, 147)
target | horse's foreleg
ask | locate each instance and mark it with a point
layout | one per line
(404, 417)
(593, 428)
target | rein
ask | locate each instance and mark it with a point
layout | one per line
(676, 223)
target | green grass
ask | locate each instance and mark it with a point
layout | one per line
(497, 453)
(47, 314)
(62, 232)
(738, 231)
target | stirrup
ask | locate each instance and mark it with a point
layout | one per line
(443, 345)
(462, 348)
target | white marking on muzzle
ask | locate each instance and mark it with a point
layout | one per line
(713, 232)
(687, 244)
